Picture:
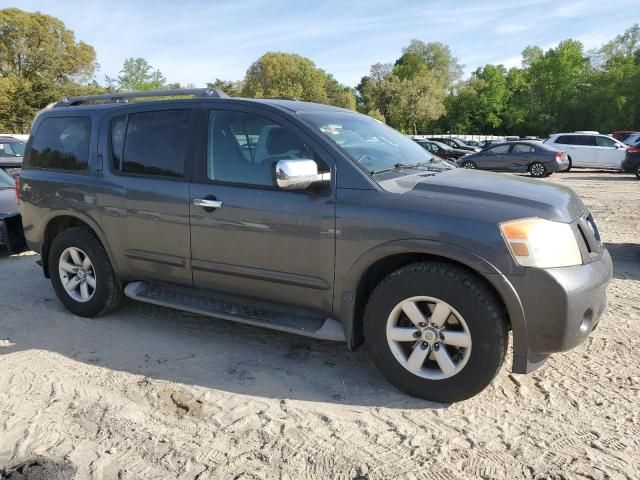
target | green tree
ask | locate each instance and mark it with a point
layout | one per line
(137, 75)
(277, 74)
(233, 89)
(40, 62)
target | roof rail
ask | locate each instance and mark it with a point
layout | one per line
(124, 97)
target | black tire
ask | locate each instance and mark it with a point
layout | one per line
(637, 171)
(538, 170)
(469, 296)
(108, 291)
(568, 169)
(469, 164)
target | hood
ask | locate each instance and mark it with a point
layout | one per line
(8, 203)
(497, 196)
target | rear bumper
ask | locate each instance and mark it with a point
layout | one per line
(557, 166)
(562, 306)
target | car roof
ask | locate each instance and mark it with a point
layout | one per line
(7, 139)
(290, 105)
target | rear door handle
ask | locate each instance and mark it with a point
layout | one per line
(206, 203)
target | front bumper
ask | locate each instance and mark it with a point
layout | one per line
(630, 163)
(562, 306)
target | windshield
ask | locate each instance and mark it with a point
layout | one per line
(372, 144)
(442, 145)
(6, 180)
(11, 149)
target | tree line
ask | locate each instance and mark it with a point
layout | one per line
(563, 88)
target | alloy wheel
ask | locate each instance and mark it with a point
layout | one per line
(428, 337)
(77, 274)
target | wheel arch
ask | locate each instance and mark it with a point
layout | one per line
(379, 262)
(61, 221)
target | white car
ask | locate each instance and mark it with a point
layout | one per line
(590, 150)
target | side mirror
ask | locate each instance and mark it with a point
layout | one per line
(298, 174)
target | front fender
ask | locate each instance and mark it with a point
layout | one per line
(347, 286)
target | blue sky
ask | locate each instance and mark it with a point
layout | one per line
(195, 41)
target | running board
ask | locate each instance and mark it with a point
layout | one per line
(231, 308)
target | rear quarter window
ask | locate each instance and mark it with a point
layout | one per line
(61, 143)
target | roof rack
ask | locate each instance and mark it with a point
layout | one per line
(124, 97)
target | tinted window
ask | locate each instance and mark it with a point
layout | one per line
(605, 142)
(585, 140)
(155, 143)
(522, 148)
(243, 147)
(118, 130)
(61, 143)
(566, 139)
(500, 149)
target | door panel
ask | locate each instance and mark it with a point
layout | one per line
(144, 205)
(262, 242)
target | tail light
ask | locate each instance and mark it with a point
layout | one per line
(17, 186)
(560, 156)
(633, 149)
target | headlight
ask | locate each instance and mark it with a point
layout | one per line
(535, 242)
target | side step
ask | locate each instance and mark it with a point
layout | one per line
(232, 308)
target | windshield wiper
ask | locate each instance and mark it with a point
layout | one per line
(398, 166)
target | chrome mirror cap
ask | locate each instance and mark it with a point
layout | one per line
(298, 174)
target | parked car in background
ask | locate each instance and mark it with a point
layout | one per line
(11, 235)
(633, 140)
(622, 135)
(536, 158)
(456, 143)
(473, 143)
(429, 265)
(487, 143)
(442, 150)
(631, 163)
(590, 150)
(11, 153)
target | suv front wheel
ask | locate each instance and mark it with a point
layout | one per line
(81, 273)
(436, 331)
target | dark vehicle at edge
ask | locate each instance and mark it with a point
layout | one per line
(442, 150)
(631, 163)
(455, 143)
(11, 235)
(536, 158)
(250, 210)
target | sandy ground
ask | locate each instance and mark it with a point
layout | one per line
(151, 393)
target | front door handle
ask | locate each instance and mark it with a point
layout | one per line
(207, 203)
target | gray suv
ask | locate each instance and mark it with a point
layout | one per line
(313, 220)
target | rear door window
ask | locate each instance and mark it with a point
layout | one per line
(151, 143)
(61, 143)
(522, 148)
(566, 140)
(586, 140)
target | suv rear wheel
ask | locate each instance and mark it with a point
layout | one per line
(81, 273)
(436, 331)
